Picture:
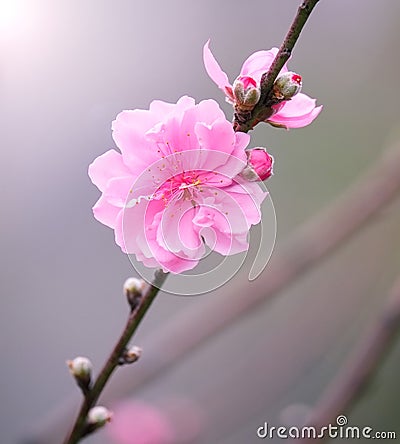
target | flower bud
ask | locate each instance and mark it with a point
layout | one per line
(81, 370)
(131, 355)
(246, 93)
(99, 416)
(287, 85)
(259, 165)
(133, 288)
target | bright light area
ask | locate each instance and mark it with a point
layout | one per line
(9, 11)
(13, 17)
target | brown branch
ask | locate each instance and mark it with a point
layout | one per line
(263, 108)
(311, 243)
(285, 51)
(134, 320)
(360, 369)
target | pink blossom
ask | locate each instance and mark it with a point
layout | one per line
(140, 423)
(175, 186)
(295, 113)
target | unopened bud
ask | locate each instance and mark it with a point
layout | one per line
(133, 289)
(131, 355)
(287, 85)
(259, 165)
(246, 93)
(81, 370)
(99, 416)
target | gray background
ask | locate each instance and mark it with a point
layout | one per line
(67, 69)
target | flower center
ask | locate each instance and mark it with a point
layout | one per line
(182, 185)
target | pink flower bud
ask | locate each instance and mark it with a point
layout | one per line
(287, 85)
(246, 93)
(259, 165)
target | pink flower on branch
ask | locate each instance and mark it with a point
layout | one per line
(296, 112)
(176, 187)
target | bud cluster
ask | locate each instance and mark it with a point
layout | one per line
(246, 93)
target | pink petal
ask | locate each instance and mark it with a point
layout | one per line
(138, 232)
(213, 69)
(176, 232)
(258, 63)
(297, 112)
(107, 166)
(129, 133)
(163, 109)
(177, 134)
(118, 190)
(218, 231)
(207, 111)
(248, 196)
(105, 212)
(219, 136)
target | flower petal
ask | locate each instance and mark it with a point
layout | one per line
(296, 113)
(213, 69)
(105, 167)
(129, 133)
(105, 212)
(258, 63)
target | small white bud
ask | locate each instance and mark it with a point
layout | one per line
(80, 367)
(133, 289)
(99, 416)
(132, 354)
(134, 285)
(287, 85)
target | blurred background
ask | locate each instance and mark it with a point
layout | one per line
(67, 69)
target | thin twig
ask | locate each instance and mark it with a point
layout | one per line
(285, 51)
(113, 361)
(360, 369)
(311, 243)
(263, 110)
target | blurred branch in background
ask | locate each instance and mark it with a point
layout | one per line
(360, 368)
(312, 242)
